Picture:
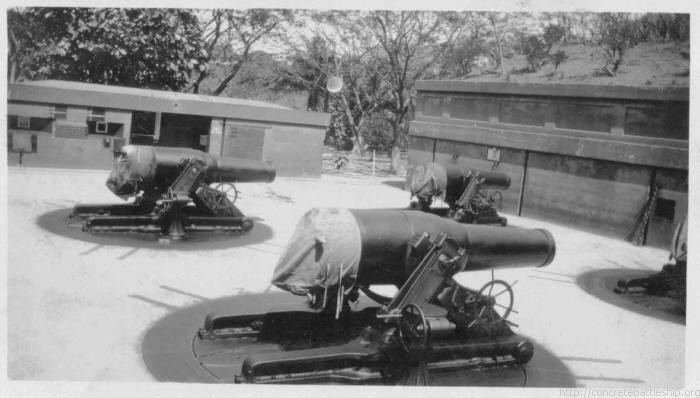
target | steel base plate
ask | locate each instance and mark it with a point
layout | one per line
(173, 350)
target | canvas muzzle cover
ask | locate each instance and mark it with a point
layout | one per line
(323, 253)
(428, 181)
(132, 165)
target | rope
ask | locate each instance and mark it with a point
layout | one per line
(636, 236)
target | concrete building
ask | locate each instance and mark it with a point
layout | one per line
(78, 125)
(585, 155)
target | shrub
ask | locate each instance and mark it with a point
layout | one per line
(616, 33)
(559, 57)
(536, 48)
(552, 35)
(535, 51)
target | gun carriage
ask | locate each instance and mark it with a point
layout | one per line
(431, 324)
(671, 281)
(473, 196)
(173, 192)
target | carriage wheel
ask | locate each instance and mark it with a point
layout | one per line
(493, 304)
(229, 192)
(496, 200)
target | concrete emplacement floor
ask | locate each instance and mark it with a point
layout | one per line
(79, 304)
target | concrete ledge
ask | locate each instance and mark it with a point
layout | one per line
(604, 149)
(116, 97)
(645, 93)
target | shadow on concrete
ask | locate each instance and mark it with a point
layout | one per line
(600, 283)
(173, 352)
(610, 379)
(184, 293)
(589, 359)
(153, 302)
(550, 279)
(57, 222)
(395, 184)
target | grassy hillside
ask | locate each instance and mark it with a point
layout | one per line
(647, 64)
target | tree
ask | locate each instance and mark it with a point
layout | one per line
(535, 50)
(409, 44)
(310, 62)
(497, 20)
(537, 47)
(152, 48)
(230, 36)
(664, 27)
(615, 33)
(552, 35)
(341, 54)
(462, 57)
(558, 58)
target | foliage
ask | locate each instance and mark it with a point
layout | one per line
(535, 50)
(409, 44)
(259, 79)
(552, 35)
(377, 133)
(466, 55)
(229, 35)
(152, 48)
(664, 27)
(338, 133)
(537, 47)
(314, 60)
(558, 57)
(308, 68)
(379, 55)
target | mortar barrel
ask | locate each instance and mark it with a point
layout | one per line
(385, 235)
(368, 247)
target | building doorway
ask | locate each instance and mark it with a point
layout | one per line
(184, 131)
(143, 128)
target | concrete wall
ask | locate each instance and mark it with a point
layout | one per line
(244, 140)
(216, 136)
(295, 151)
(594, 194)
(420, 150)
(93, 151)
(576, 154)
(70, 153)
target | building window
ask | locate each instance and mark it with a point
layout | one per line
(471, 109)
(432, 106)
(96, 115)
(58, 112)
(582, 116)
(143, 127)
(97, 122)
(528, 113)
(24, 122)
(665, 209)
(659, 121)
